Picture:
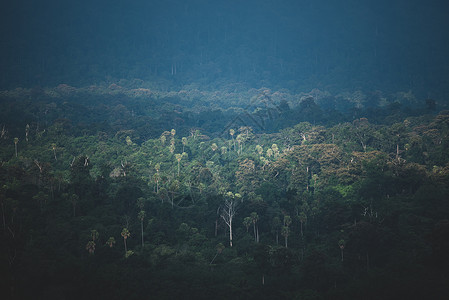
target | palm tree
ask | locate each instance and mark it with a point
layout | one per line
(94, 234)
(254, 218)
(125, 234)
(110, 242)
(286, 230)
(247, 222)
(141, 217)
(90, 247)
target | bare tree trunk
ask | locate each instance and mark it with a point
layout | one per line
(216, 227)
(257, 231)
(230, 232)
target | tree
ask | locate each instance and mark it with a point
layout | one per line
(254, 218)
(220, 247)
(227, 211)
(156, 176)
(94, 234)
(286, 230)
(53, 147)
(232, 132)
(27, 132)
(247, 222)
(141, 217)
(110, 242)
(302, 220)
(125, 234)
(276, 225)
(239, 140)
(341, 244)
(178, 158)
(74, 200)
(90, 247)
(184, 143)
(16, 141)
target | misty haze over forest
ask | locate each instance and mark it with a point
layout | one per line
(298, 45)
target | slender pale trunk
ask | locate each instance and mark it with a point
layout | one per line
(216, 227)
(255, 234)
(213, 259)
(230, 232)
(286, 245)
(126, 248)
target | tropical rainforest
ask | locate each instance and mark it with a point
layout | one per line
(132, 194)
(224, 149)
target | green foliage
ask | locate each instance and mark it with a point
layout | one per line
(352, 201)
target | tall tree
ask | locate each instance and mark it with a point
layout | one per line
(53, 147)
(254, 218)
(16, 141)
(232, 132)
(125, 234)
(286, 229)
(302, 220)
(178, 157)
(247, 223)
(227, 211)
(141, 217)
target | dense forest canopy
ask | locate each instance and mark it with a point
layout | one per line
(224, 149)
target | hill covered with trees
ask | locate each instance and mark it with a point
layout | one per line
(122, 191)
